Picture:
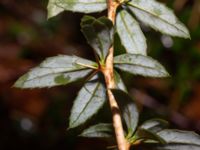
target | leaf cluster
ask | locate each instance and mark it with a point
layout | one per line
(100, 33)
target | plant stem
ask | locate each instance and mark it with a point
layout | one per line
(110, 83)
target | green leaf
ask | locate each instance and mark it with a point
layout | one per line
(58, 70)
(177, 140)
(53, 9)
(140, 65)
(128, 108)
(177, 147)
(82, 6)
(167, 147)
(90, 99)
(119, 82)
(98, 33)
(102, 130)
(179, 137)
(148, 136)
(118, 46)
(130, 33)
(154, 125)
(159, 17)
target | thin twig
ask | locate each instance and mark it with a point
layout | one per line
(110, 83)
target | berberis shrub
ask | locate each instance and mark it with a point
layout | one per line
(103, 82)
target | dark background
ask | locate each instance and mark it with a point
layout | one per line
(38, 118)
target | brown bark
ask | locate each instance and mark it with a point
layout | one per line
(110, 83)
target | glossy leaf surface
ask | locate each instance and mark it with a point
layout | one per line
(83, 6)
(58, 70)
(130, 33)
(128, 109)
(90, 99)
(159, 17)
(102, 130)
(140, 65)
(98, 33)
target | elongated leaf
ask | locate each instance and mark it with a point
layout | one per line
(98, 34)
(31, 80)
(140, 65)
(90, 99)
(159, 17)
(168, 147)
(118, 46)
(177, 140)
(84, 6)
(58, 70)
(154, 125)
(101, 130)
(128, 108)
(147, 135)
(130, 33)
(119, 82)
(177, 147)
(53, 9)
(180, 137)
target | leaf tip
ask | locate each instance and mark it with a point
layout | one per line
(20, 82)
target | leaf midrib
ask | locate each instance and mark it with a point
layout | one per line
(54, 73)
(84, 3)
(92, 95)
(126, 27)
(148, 67)
(156, 16)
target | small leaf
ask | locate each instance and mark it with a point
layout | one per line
(90, 99)
(84, 6)
(58, 70)
(130, 33)
(102, 130)
(176, 140)
(154, 125)
(53, 9)
(119, 82)
(159, 17)
(148, 136)
(179, 137)
(118, 46)
(128, 108)
(167, 147)
(176, 147)
(98, 34)
(140, 65)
